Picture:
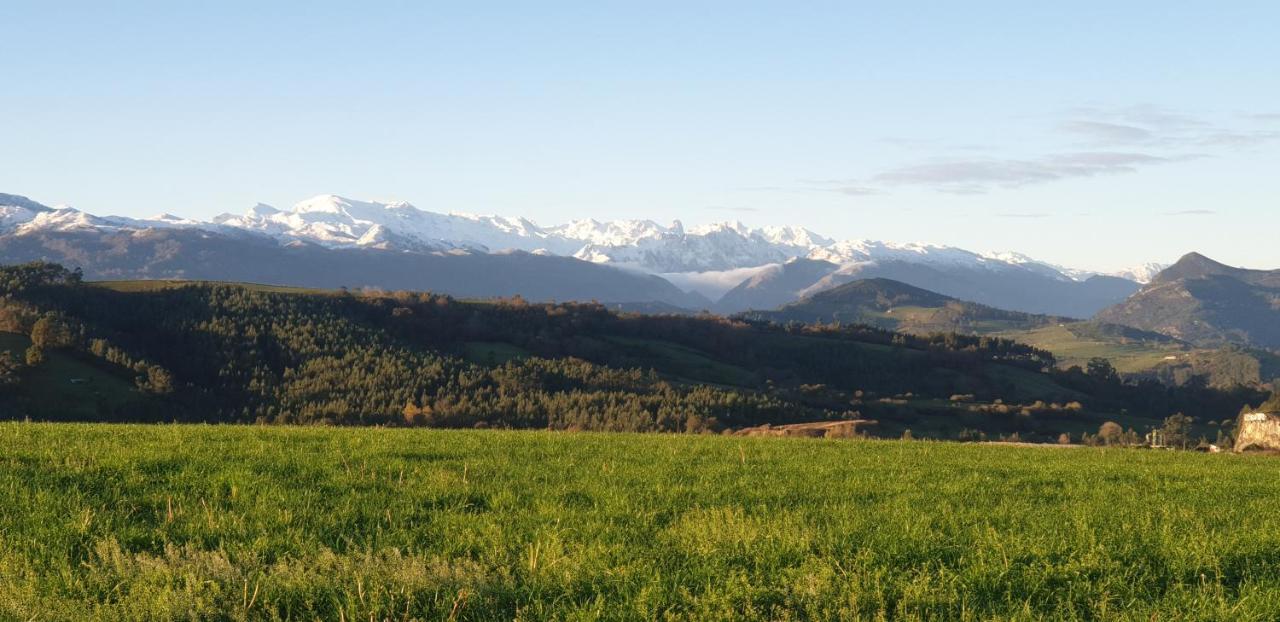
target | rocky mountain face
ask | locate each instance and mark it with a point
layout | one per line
(1207, 303)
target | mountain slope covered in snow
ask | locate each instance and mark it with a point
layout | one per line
(739, 266)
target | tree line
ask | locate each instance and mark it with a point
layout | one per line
(218, 352)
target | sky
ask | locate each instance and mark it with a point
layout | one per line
(1096, 135)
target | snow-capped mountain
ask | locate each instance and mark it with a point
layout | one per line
(20, 215)
(717, 247)
(1142, 273)
(708, 260)
(338, 222)
(643, 244)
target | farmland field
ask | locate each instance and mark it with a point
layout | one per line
(168, 522)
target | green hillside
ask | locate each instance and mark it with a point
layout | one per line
(1137, 353)
(1130, 350)
(65, 386)
(188, 522)
(244, 353)
(893, 305)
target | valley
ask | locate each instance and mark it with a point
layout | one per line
(867, 304)
(223, 352)
(639, 312)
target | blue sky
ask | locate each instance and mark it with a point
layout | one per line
(1097, 135)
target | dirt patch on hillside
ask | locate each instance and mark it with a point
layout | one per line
(843, 428)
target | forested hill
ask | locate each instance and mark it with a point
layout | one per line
(1207, 303)
(898, 306)
(162, 351)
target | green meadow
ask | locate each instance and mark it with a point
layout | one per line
(187, 522)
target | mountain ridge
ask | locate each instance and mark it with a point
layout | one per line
(1206, 302)
(726, 266)
(332, 220)
(894, 305)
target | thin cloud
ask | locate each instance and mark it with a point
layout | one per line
(919, 144)
(1192, 212)
(1236, 139)
(1159, 117)
(909, 143)
(1108, 141)
(1026, 215)
(847, 187)
(979, 175)
(1108, 132)
(1155, 127)
(855, 191)
(728, 208)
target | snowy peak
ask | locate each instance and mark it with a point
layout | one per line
(12, 201)
(615, 232)
(794, 236)
(848, 252)
(331, 220)
(1143, 273)
(725, 248)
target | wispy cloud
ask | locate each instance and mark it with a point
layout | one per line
(1157, 116)
(1192, 212)
(1103, 142)
(1107, 132)
(847, 187)
(934, 145)
(975, 176)
(1236, 139)
(854, 190)
(732, 208)
(1025, 215)
(1152, 126)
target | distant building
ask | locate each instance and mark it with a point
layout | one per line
(1155, 439)
(1258, 431)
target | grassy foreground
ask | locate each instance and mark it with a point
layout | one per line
(194, 522)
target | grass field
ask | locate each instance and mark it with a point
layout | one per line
(1072, 349)
(492, 353)
(64, 387)
(176, 522)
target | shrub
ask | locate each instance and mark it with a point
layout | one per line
(1111, 433)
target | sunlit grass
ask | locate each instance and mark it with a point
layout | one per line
(195, 522)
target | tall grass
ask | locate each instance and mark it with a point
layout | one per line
(244, 523)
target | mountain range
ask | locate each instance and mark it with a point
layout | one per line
(779, 273)
(1198, 319)
(330, 241)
